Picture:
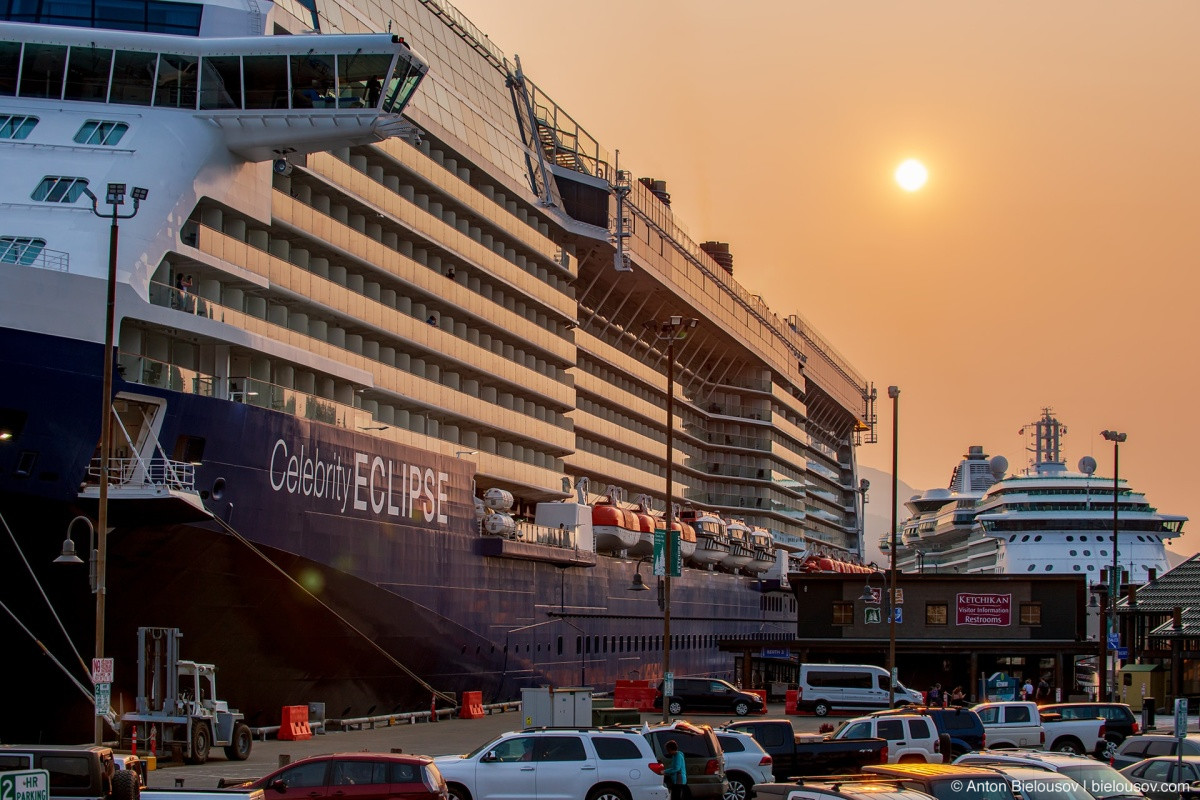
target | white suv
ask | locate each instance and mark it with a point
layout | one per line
(746, 764)
(571, 763)
(910, 737)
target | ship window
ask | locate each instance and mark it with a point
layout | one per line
(1025, 538)
(20, 249)
(1076, 567)
(402, 84)
(313, 82)
(1031, 568)
(87, 74)
(133, 78)
(176, 81)
(42, 70)
(55, 189)
(266, 81)
(560, 645)
(1071, 539)
(1037, 538)
(10, 61)
(1103, 552)
(1091, 567)
(16, 127)
(1087, 552)
(101, 132)
(355, 72)
(221, 82)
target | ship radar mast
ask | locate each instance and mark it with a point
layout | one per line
(1046, 437)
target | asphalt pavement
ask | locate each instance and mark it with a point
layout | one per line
(446, 737)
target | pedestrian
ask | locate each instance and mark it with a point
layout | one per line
(1027, 689)
(934, 696)
(177, 300)
(186, 288)
(958, 697)
(1043, 691)
(674, 771)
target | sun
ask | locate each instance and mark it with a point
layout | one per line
(911, 175)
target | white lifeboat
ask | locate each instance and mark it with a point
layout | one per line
(741, 551)
(764, 551)
(712, 543)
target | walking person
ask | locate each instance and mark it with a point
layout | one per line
(958, 697)
(674, 771)
(934, 696)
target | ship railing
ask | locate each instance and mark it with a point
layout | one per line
(137, 472)
(730, 440)
(33, 253)
(745, 412)
(544, 534)
(152, 372)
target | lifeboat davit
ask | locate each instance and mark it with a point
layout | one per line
(614, 527)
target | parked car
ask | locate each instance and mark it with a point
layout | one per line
(1164, 777)
(795, 754)
(962, 725)
(88, 772)
(1149, 745)
(1035, 783)
(747, 764)
(910, 737)
(702, 755)
(1022, 723)
(692, 695)
(1101, 781)
(572, 763)
(949, 781)
(1119, 721)
(354, 776)
(838, 789)
(849, 687)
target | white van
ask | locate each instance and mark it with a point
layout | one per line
(848, 687)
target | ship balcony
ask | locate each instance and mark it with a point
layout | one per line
(33, 253)
(754, 413)
(146, 491)
(532, 542)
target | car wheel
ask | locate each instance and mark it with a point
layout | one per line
(675, 708)
(201, 743)
(741, 708)
(608, 793)
(738, 788)
(1068, 744)
(821, 708)
(238, 748)
(1109, 749)
(126, 785)
(458, 792)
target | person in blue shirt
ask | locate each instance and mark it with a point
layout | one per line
(674, 771)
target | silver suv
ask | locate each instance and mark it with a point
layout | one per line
(573, 763)
(746, 763)
(1100, 780)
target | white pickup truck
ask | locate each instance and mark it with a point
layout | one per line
(1019, 724)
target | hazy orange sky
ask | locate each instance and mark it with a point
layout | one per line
(1051, 260)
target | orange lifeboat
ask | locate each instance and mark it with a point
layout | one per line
(614, 527)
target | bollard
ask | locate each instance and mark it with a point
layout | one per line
(284, 759)
(134, 732)
(1148, 713)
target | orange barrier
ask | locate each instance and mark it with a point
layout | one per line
(763, 694)
(791, 702)
(472, 706)
(294, 725)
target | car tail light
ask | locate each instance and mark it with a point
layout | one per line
(712, 767)
(657, 767)
(1135, 726)
(432, 778)
(983, 741)
(765, 761)
(883, 755)
(937, 745)
(1042, 738)
(1103, 729)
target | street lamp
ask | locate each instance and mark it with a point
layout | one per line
(1115, 578)
(669, 330)
(894, 393)
(115, 197)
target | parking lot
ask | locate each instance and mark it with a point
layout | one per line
(440, 738)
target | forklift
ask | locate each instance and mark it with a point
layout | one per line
(177, 703)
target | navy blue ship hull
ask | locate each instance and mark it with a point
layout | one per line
(356, 578)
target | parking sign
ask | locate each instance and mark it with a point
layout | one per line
(25, 784)
(102, 670)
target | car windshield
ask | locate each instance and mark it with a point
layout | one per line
(1101, 780)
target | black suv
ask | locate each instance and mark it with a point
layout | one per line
(961, 724)
(711, 695)
(1120, 721)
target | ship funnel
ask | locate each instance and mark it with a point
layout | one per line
(719, 252)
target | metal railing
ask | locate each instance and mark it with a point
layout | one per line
(155, 472)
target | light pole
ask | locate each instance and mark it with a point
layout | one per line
(1114, 580)
(670, 329)
(894, 393)
(115, 197)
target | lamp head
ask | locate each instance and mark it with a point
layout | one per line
(893, 392)
(68, 553)
(1113, 436)
(867, 595)
(116, 194)
(139, 193)
(638, 584)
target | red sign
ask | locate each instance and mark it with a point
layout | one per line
(984, 609)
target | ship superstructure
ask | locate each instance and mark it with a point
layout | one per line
(352, 293)
(1048, 519)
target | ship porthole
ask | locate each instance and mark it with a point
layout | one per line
(218, 488)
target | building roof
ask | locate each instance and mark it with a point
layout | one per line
(1176, 588)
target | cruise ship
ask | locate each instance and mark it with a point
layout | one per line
(1046, 520)
(394, 341)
